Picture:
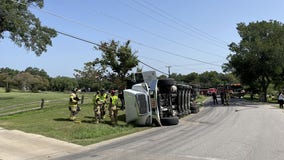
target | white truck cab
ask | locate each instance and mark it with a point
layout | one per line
(138, 104)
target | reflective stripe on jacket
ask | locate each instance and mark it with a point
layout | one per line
(114, 100)
(73, 100)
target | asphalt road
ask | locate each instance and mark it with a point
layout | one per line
(240, 131)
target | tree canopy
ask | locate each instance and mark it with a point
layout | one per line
(34, 79)
(25, 28)
(112, 68)
(206, 79)
(120, 58)
(258, 58)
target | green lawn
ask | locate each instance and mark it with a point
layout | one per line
(53, 120)
(18, 101)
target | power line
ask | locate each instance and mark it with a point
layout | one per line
(71, 36)
(153, 33)
(152, 67)
(172, 53)
(68, 35)
(90, 42)
(183, 23)
(164, 23)
(136, 42)
(154, 59)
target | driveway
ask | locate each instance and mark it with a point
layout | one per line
(15, 144)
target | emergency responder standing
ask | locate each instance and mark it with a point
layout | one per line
(121, 97)
(73, 104)
(99, 106)
(113, 104)
(281, 99)
(222, 95)
(227, 97)
(214, 96)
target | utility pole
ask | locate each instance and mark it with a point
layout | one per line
(169, 71)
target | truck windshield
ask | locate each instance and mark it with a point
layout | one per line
(142, 103)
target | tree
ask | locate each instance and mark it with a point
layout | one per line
(178, 77)
(205, 79)
(259, 56)
(209, 79)
(27, 81)
(37, 71)
(7, 78)
(63, 83)
(119, 58)
(228, 79)
(24, 28)
(91, 76)
(192, 78)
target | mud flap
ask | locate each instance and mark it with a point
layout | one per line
(156, 117)
(169, 121)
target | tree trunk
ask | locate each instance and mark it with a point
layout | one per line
(264, 85)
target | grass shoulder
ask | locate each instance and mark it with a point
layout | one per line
(53, 121)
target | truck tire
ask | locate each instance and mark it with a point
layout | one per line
(167, 121)
(194, 109)
(166, 82)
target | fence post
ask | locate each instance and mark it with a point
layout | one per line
(82, 99)
(42, 103)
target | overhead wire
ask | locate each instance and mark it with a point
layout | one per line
(164, 23)
(181, 22)
(69, 35)
(90, 42)
(136, 42)
(93, 43)
(153, 67)
(154, 34)
(115, 35)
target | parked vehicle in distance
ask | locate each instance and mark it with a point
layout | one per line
(236, 90)
(210, 91)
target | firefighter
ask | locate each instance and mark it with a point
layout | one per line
(222, 95)
(227, 97)
(73, 104)
(113, 104)
(99, 106)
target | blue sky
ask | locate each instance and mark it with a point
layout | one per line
(188, 35)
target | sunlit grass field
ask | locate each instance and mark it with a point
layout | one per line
(53, 119)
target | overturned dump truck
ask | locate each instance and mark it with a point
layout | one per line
(157, 101)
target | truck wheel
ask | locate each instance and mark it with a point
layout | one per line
(166, 82)
(194, 109)
(166, 121)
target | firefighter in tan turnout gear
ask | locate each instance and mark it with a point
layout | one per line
(73, 104)
(113, 102)
(100, 102)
